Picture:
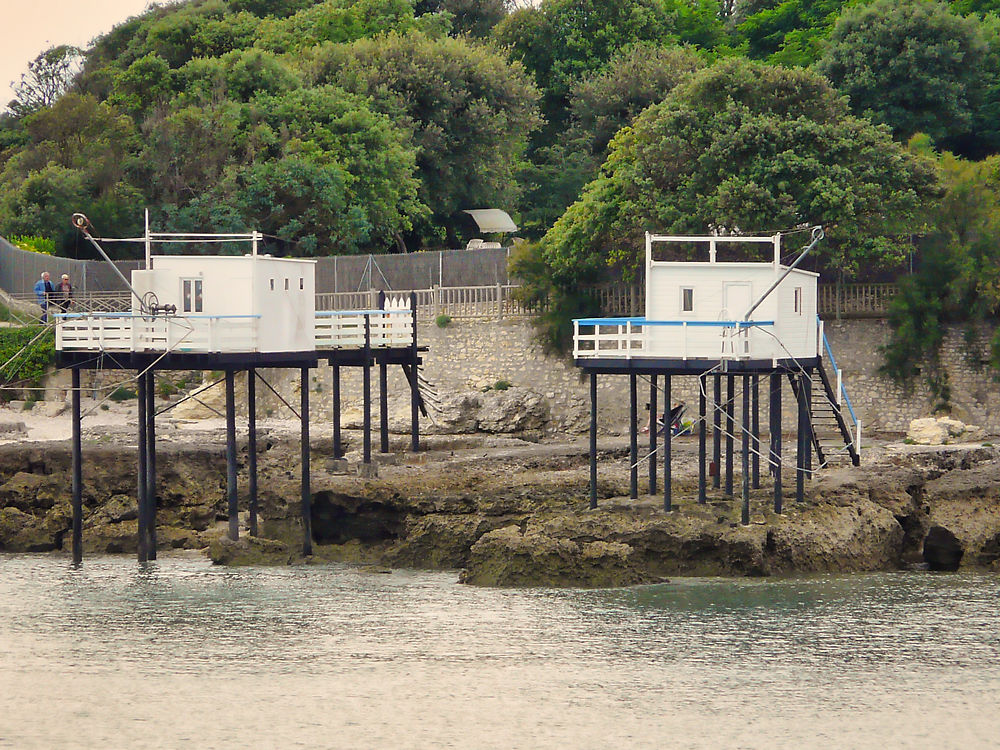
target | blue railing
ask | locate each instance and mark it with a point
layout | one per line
(641, 322)
(843, 389)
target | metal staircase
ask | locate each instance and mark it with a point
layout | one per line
(835, 430)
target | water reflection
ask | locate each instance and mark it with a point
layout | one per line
(329, 656)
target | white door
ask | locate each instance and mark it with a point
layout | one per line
(736, 301)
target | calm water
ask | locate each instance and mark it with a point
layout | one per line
(179, 654)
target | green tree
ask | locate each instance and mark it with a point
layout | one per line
(744, 147)
(957, 281)
(562, 41)
(473, 17)
(600, 105)
(915, 66)
(49, 76)
(469, 112)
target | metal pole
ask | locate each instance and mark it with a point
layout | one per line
(252, 446)
(151, 463)
(667, 437)
(775, 429)
(730, 429)
(383, 393)
(807, 399)
(593, 440)
(755, 432)
(802, 446)
(306, 489)
(653, 393)
(702, 430)
(231, 491)
(717, 431)
(77, 471)
(745, 516)
(143, 537)
(338, 447)
(367, 376)
(633, 443)
(415, 378)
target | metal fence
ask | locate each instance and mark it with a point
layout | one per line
(458, 283)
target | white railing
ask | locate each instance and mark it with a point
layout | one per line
(157, 333)
(676, 339)
(345, 329)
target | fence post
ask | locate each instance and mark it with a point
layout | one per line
(499, 302)
(437, 300)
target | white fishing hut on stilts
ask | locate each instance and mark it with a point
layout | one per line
(716, 319)
(231, 313)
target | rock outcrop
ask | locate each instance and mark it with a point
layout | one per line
(511, 513)
(943, 431)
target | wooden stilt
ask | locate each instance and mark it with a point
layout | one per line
(252, 447)
(338, 446)
(653, 393)
(142, 515)
(774, 426)
(151, 463)
(702, 430)
(745, 446)
(77, 470)
(367, 387)
(755, 432)
(668, 433)
(414, 379)
(633, 442)
(306, 488)
(802, 445)
(717, 431)
(383, 407)
(231, 489)
(730, 431)
(593, 440)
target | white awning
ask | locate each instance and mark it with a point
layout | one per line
(492, 220)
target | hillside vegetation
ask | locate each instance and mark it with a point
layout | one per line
(355, 126)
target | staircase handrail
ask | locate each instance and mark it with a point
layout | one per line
(843, 388)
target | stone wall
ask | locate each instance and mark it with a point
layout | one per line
(473, 355)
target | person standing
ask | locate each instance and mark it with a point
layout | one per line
(64, 293)
(43, 293)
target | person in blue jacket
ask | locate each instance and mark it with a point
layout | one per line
(43, 293)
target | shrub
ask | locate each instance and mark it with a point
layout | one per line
(121, 393)
(501, 385)
(442, 320)
(25, 367)
(34, 244)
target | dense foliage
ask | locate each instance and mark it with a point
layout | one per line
(26, 352)
(347, 126)
(337, 126)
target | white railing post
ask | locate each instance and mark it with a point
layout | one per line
(576, 338)
(628, 339)
(840, 385)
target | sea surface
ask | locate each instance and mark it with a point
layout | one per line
(181, 654)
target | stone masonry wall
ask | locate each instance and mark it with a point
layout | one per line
(472, 355)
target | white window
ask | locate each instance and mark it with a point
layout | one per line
(687, 299)
(191, 298)
(286, 285)
(302, 283)
(272, 285)
(798, 300)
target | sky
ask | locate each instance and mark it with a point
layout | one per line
(27, 27)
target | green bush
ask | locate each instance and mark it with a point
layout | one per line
(121, 393)
(442, 320)
(25, 367)
(34, 244)
(166, 389)
(501, 385)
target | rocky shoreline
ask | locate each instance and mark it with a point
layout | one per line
(507, 512)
